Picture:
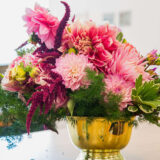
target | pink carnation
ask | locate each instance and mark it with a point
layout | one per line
(98, 42)
(40, 79)
(42, 23)
(28, 59)
(12, 85)
(72, 69)
(117, 85)
(128, 63)
(8, 84)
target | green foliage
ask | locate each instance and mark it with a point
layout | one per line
(146, 96)
(87, 101)
(157, 80)
(146, 100)
(21, 52)
(151, 118)
(132, 109)
(90, 101)
(14, 113)
(33, 38)
(112, 106)
(119, 36)
(138, 82)
(84, 102)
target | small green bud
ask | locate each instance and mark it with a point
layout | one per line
(71, 50)
(71, 105)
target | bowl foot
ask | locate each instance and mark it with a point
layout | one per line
(100, 155)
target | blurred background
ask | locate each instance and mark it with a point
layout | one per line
(139, 20)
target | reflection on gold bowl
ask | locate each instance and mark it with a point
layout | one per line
(98, 138)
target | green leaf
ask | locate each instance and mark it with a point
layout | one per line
(146, 94)
(119, 36)
(149, 91)
(137, 99)
(132, 109)
(153, 104)
(28, 68)
(124, 41)
(71, 105)
(146, 109)
(134, 92)
(138, 81)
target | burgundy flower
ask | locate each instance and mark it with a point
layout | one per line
(53, 93)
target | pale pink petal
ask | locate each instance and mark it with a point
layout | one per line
(72, 69)
(42, 23)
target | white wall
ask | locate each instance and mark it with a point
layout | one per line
(144, 31)
(12, 30)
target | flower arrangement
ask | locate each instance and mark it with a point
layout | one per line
(81, 69)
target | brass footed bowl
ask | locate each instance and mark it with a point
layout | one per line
(98, 138)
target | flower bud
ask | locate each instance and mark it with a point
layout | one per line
(34, 72)
(152, 72)
(152, 57)
(71, 50)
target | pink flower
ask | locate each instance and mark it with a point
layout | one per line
(8, 84)
(40, 79)
(98, 42)
(72, 69)
(16, 78)
(41, 23)
(28, 59)
(128, 63)
(117, 85)
(43, 74)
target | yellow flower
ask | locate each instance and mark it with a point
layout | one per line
(18, 73)
(34, 72)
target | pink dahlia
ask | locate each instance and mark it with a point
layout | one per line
(97, 42)
(41, 23)
(72, 69)
(117, 85)
(128, 63)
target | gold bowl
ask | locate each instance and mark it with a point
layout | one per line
(98, 138)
